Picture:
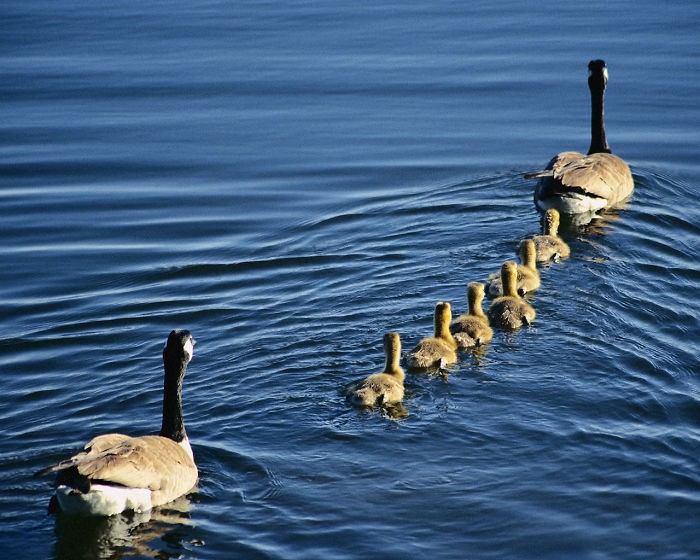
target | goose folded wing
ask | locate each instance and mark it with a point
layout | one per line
(596, 175)
(555, 165)
(151, 462)
(92, 448)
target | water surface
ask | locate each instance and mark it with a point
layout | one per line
(291, 182)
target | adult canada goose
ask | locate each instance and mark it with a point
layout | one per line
(509, 311)
(573, 183)
(439, 350)
(472, 328)
(115, 472)
(549, 246)
(528, 277)
(385, 387)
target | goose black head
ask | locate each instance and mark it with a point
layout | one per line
(597, 74)
(180, 344)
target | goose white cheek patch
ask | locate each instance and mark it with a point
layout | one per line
(189, 348)
(605, 73)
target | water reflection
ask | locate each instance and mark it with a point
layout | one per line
(479, 355)
(591, 223)
(395, 411)
(154, 534)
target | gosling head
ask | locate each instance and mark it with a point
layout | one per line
(551, 222)
(392, 351)
(392, 344)
(443, 318)
(528, 253)
(443, 312)
(475, 293)
(509, 278)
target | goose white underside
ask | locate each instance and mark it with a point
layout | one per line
(570, 203)
(103, 499)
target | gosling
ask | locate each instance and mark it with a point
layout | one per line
(437, 351)
(528, 277)
(509, 311)
(385, 387)
(549, 246)
(472, 328)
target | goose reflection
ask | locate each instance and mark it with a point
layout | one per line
(590, 223)
(158, 533)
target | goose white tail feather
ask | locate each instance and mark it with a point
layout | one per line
(103, 500)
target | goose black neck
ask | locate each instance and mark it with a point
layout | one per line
(173, 426)
(599, 143)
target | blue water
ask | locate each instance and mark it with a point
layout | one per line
(290, 181)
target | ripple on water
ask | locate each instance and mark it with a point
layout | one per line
(507, 435)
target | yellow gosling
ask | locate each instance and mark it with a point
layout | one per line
(528, 277)
(549, 246)
(439, 350)
(385, 387)
(472, 328)
(509, 311)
